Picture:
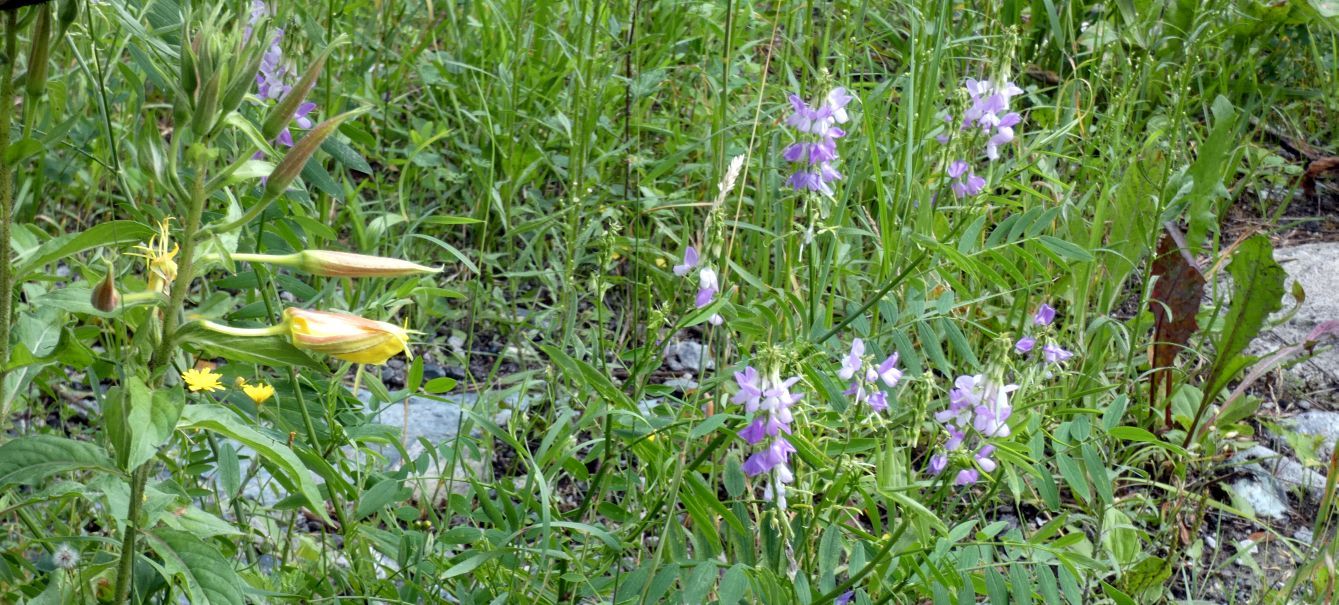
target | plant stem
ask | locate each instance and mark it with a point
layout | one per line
(6, 198)
(126, 565)
(171, 321)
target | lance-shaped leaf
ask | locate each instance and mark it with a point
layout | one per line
(1175, 302)
(1257, 291)
(283, 111)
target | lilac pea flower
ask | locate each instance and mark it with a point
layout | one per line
(828, 174)
(984, 460)
(959, 189)
(1025, 345)
(942, 138)
(878, 401)
(765, 460)
(974, 184)
(689, 261)
(822, 151)
(966, 477)
(796, 152)
(755, 432)
(888, 371)
(992, 415)
(955, 438)
(750, 392)
(853, 361)
(938, 463)
(957, 169)
(707, 287)
(1052, 353)
(1044, 316)
(845, 598)
(836, 102)
(715, 319)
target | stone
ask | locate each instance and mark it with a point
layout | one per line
(688, 356)
(1321, 423)
(1264, 496)
(1288, 473)
(1316, 268)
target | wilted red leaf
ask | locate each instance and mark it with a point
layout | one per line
(1176, 300)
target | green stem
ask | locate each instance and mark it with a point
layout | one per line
(248, 332)
(6, 197)
(171, 321)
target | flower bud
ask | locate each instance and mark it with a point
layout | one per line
(105, 298)
(344, 336)
(288, 169)
(69, 11)
(347, 264)
(39, 54)
(283, 111)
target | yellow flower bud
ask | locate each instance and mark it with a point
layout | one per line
(343, 336)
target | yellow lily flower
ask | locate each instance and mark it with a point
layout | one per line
(344, 336)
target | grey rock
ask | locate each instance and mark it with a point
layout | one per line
(688, 356)
(1319, 423)
(1316, 268)
(1265, 496)
(1288, 473)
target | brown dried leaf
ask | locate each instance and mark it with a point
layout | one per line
(1177, 294)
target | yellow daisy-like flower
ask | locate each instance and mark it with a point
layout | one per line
(158, 259)
(259, 392)
(202, 380)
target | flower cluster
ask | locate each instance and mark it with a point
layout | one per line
(772, 399)
(978, 409)
(708, 286)
(274, 74)
(817, 128)
(865, 386)
(1050, 352)
(205, 379)
(989, 114)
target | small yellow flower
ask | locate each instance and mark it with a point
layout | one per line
(202, 380)
(158, 260)
(259, 392)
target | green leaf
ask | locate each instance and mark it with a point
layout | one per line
(220, 420)
(152, 418)
(733, 585)
(381, 495)
(1119, 536)
(439, 385)
(1211, 165)
(1066, 250)
(261, 350)
(27, 460)
(203, 571)
(22, 149)
(110, 234)
(345, 155)
(1257, 291)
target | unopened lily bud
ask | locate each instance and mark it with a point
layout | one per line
(39, 54)
(69, 11)
(283, 111)
(291, 166)
(346, 264)
(105, 298)
(344, 336)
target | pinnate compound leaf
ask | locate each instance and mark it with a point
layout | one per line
(203, 571)
(30, 459)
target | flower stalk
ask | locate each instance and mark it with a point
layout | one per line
(6, 194)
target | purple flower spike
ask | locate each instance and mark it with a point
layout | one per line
(750, 392)
(689, 261)
(1024, 345)
(754, 432)
(878, 401)
(1044, 316)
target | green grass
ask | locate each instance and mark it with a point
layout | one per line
(555, 158)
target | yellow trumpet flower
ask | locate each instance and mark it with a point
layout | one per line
(345, 336)
(158, 260)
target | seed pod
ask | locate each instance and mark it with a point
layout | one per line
(105, 298)
(291, 166)
(39, 54)
(283, 111)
